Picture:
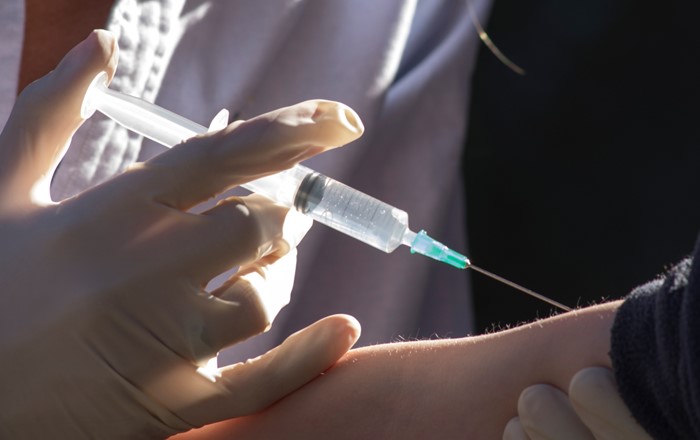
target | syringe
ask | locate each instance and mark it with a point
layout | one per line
(323, 199)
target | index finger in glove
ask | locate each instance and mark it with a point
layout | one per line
(594, 395)
(207, 165)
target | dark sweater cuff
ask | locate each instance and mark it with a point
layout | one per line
(645, 350)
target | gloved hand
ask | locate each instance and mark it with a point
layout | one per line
(593, 410)
(104, 319)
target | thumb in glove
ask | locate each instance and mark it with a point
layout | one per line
(44, 118)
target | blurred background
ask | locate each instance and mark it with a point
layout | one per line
(582, 176)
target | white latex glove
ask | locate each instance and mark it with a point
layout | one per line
(103, 314)
(592, 410)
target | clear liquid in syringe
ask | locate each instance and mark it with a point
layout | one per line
(352, 212)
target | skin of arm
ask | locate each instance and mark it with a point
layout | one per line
(461, 388)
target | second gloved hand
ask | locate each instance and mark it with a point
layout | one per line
(592, 410)
(104, 319)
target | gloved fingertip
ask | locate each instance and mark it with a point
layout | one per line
(345, 327)
(337, 123)
(109, 43)
(323, 342)
(594, 394)
(354, 326)
(333, 112)
(242, 290)
(55, 101)
(263, 290)
(296, 226)
(591, 382)
(514, 430)
(97, 52)
(318, 123)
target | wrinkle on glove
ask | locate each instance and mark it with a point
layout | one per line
(106, 327)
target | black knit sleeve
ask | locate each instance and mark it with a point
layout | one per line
(656, 352)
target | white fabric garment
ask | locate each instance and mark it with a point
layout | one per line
(404, 66)
(11, 35)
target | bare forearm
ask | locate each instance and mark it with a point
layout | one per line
(434, 389)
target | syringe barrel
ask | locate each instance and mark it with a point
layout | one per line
(351, 212)
(336, 205)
